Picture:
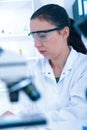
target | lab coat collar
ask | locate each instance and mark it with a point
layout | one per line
(69, 63)
(47, 70)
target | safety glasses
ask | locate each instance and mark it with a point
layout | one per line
(43, 35)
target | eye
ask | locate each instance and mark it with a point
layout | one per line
(42, 35)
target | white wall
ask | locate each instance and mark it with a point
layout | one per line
(60, 2)
(43, 2)
(65, 3)
(68, 6)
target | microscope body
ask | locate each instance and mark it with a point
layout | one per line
(13, 72)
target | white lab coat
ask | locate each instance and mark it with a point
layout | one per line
(65, 100)
(62, 101)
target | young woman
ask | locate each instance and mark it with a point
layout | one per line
(61, 75)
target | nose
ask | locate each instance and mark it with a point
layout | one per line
(37, 43)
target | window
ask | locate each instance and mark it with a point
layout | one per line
(84, 3)
(79, 8)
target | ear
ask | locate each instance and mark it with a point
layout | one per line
(65, 32)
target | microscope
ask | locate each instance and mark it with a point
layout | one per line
(13, 73)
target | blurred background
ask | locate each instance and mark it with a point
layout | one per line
(15, 17)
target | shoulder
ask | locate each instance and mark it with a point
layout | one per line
(76, 61)
(77, 57)
(82, 59)
(80, 63)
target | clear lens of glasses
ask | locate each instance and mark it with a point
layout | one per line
(41, 36)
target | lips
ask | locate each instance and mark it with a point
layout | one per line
(42, 52)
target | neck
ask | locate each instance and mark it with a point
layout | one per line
(58, 62)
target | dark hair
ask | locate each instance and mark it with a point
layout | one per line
(75, 40)
(58, 16)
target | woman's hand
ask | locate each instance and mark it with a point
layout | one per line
(7, 113)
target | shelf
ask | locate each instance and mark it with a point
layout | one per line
(13, 35)
(15, 15)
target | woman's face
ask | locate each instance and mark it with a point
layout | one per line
(50, 44)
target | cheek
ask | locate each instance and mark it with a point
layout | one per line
(56, 46)
(55, 43)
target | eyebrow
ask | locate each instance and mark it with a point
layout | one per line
(45, 31)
